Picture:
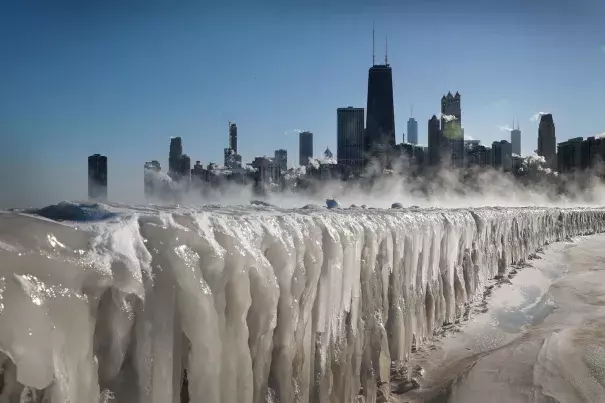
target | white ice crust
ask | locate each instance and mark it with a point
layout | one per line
(258, 305)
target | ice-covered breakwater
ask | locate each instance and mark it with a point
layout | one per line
(252, 304)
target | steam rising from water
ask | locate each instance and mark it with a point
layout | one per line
(440, 189)
(445, 190)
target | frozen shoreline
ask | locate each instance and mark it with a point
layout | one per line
(306, 305)
(515, 335)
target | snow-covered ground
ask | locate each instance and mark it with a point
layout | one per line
(256, 303)
(541, 339)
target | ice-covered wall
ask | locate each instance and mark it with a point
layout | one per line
(256, 305)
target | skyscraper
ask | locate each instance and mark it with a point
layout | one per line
(515, 139)
(412, 131)
(435, 141)
(179, 164)
(176, 150)
(380, 118)
(502, 155)
(569, 156)
(184, 168)
(97, 177)
(233, 136)
(281, 159)
(150, 172)
(350, 130)
(305, 147)
(451, 128)
(451, 110)
(547, 141)
(232, 159)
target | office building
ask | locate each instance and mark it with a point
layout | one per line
(150, 180)
(451, 129)
(593, 152)
(547, 141)
(502, 155)
(350, 131)
(412, 131)
(478, 155)
(305, 148)
(569, 156)
(97, 177)
(515, 139)
(379, 139)
(231, 159)
(435, 142)
(179, 164)
(176, 150)
(281, 159)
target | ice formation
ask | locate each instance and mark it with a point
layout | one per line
(251, 304)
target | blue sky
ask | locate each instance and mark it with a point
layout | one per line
(121, 77)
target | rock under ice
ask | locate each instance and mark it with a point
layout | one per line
(240, 305)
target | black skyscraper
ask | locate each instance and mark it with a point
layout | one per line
(547, 141)
(305, 148)
(176, 150)
(97, 177)
(435, 141)
(350, 130)
(380, 119)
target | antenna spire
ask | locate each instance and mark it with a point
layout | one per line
(373, 46)
(386, 50)
(412, 111)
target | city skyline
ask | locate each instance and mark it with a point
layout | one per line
(125, 98)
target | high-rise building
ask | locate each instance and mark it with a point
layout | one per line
(350, 130)
(569, 156)
(305, 148)
(451, 110)
(176, 150)
(151, 169)
(97, 177)
(232, 159)
(478, 155)
(547, 141)
(179, 164)
(593, 152)
(502, 155)
(515, 139)
(185, 167)
(380, 111)
(435, 141)
(451, 128)
(412, 131)
(281, 159)
(233, 137)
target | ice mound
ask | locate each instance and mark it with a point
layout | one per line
(68, 211)
(292, 306)
(332, 203)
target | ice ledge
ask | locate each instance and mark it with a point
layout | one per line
(289, 306)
